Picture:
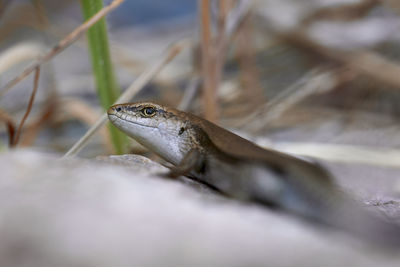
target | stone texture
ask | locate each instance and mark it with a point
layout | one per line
(103, 213)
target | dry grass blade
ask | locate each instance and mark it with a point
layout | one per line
(190, 93)
(41, 12)
(81, 111)
(235, 17)
(315, 81)
(349, 11)
(29, 108)
(208, 63)
(19, 53)
(64, 43)
(129, 93)
(375, 66)
(349, 154)
(213, 50)
(363, 62)
(246, 57)
(10, 125)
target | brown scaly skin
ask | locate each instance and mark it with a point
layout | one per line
(241, 169)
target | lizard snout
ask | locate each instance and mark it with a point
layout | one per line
(113, 110)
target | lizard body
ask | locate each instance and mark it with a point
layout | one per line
(243, 170)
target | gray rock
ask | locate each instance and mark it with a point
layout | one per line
(103, 213)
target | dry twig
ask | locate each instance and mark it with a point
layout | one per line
(29, 108)
(64, 43)
(32, 130)
(4, 116)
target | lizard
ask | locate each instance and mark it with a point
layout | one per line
(240, 169)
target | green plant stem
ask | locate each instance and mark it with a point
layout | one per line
(107, 87)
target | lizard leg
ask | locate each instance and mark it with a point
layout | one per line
(193, 161)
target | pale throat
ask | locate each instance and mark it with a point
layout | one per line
(165, 143)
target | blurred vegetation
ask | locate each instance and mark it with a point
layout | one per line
(274, 68)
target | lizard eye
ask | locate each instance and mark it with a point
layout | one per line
(149, 111)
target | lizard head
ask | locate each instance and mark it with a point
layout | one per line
(160, 129)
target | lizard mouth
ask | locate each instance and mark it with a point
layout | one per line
(114, 118)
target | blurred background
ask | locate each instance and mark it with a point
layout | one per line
(314, 77)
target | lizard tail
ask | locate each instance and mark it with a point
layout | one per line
(365, 224)
(337, 210)
(346, 214)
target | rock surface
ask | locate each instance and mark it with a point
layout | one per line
(116, 211)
